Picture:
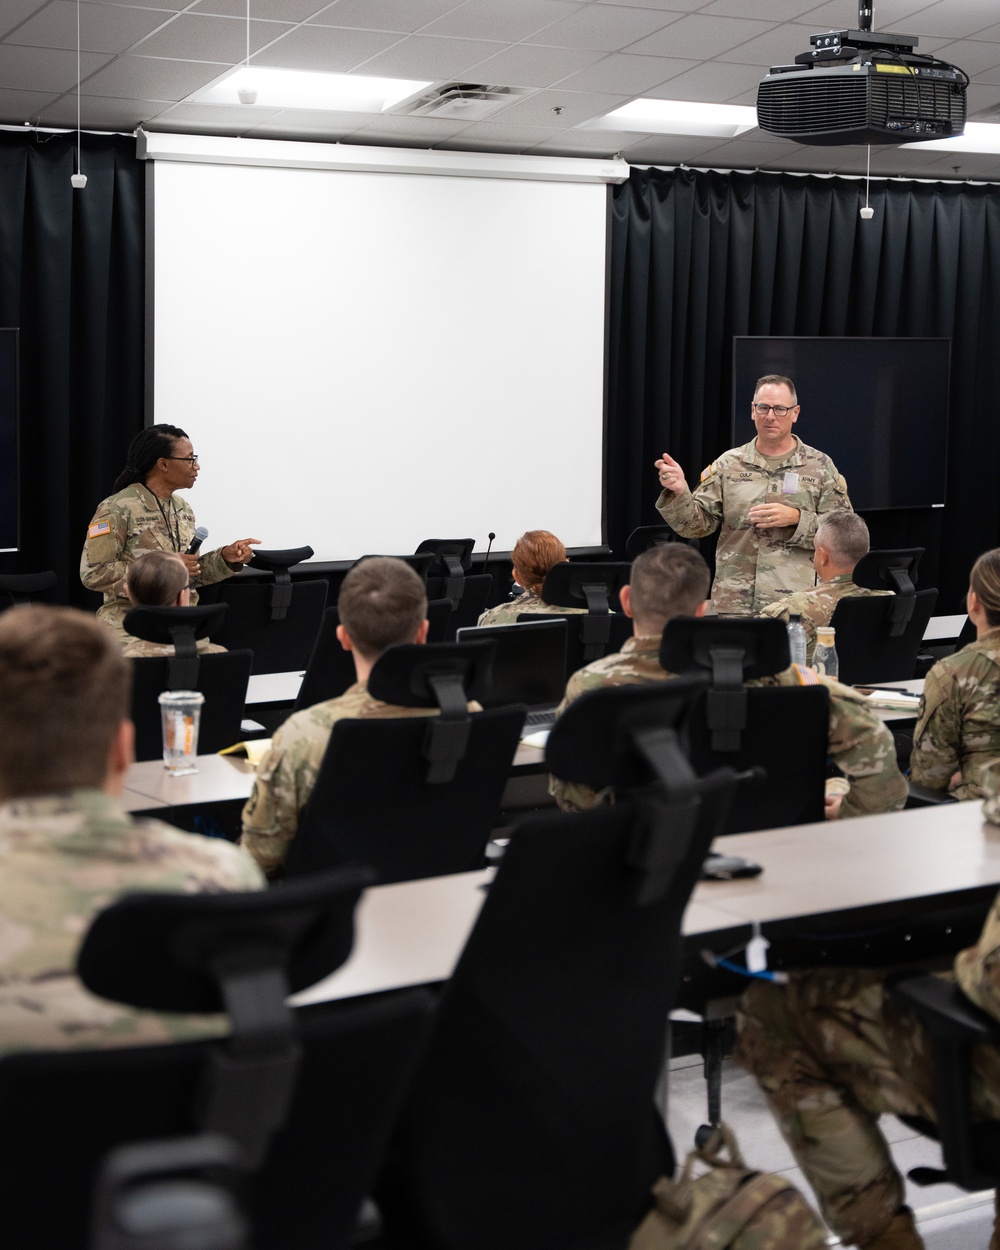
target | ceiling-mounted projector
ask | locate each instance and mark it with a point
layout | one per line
(862, 86)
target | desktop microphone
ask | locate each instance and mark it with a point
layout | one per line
(486, 557)
(200, 534)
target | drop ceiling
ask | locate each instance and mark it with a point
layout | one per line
(573, 60)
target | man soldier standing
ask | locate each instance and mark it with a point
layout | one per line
(766, 496)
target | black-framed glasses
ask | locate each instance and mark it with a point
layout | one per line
(761, 410)
(189, 459)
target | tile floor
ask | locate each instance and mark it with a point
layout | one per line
(949, 1218)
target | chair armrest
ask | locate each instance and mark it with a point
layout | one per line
(924, 796)
(943, 1008)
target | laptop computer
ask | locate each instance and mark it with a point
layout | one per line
(529, 667)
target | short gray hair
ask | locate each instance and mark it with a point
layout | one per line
(845, 536)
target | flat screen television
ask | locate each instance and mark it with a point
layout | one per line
(877, 406)
(8, 440)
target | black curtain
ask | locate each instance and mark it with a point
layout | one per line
(697, 258)
(71, 277)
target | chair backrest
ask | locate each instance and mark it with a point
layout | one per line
(18, 588)
(646, 536)
(373, 803)
(866, 646)
(452, 560)
(594, 587)
(529, 665)
(532, 1121)
(476, 590)
(64, 1111)
(894, 570)
(180, 628)
(222, 679)
(278, 645)
(581, 646)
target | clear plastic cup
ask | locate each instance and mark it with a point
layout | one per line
(180, 715)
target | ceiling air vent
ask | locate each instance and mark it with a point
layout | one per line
(460, 101)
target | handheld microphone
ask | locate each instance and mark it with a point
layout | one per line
(200, 534)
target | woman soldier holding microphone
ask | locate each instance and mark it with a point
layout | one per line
(144, 514)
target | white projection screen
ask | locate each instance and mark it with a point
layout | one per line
(365, 360)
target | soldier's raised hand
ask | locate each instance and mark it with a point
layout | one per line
(671, 474)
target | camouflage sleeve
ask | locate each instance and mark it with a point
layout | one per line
(978, 968)
(864, 750)
(938, 736)
(778, 609)
(213, 569)
(693, 514)
(103, 565)
(833, 497)
(197, 863)
(271, 814)
(571, 796)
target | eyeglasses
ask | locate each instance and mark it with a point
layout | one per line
(189, 459)
(762, 410)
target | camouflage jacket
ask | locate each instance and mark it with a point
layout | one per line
(127, 523)
(755, 567)
(528, 601)
(288, 772)
(859, 743)
(63, 859)
(958, 725)
(139, 648)
(817, 606)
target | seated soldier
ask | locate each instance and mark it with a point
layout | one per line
(832, 1051)
(535, 552)
(673, 580)
(66, 849)
(159, 579)
(841, 540)
(382, 603)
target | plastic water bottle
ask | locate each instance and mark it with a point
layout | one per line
(796, 640)
(825, 659)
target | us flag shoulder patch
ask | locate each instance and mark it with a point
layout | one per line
(99, 528)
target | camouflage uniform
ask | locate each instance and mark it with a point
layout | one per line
(139, 648)
(754, 567)
(817, 606)
(958, 727)
(859, 743)
(832, 1051)
(63, 859)
(507, 613)
(127, 523)
(288, 772)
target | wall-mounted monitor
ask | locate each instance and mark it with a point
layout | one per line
(8, 440)
(877, 406)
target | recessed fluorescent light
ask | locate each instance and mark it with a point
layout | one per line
(978, 137)
(298, 89)
(677, 117)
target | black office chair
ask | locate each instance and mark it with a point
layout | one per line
(532, 1121)
(448, 577)
(970, 1151)
(776, 731)
(868, 648)
(18, 588)
(330, 670)
(412, 796)
(222, 678)
(278, 621)
(603, 628)
(420, 561)
(646, 536)
(308, 1096)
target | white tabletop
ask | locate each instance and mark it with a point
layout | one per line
(944, 628)
(274, 687)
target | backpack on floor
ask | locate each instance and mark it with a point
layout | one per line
(729, 1207)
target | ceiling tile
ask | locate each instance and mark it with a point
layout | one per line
(577, 106)
(402, 15)
(145, 78)
(528, 65)
(99, 113)
(424, 56)
(190, 37)
(13, 12)
(765, 10)
(991, 32)
(973, 55)
(306, 124)
(495, 132)
(605, 27)
(22, 106)
(585, 143)
(388, 128)
(44, 69)
(710, 82)
(778, 46)
(623, 73)
(234, 117)
(949, 17)
(103, 27)
(843, 15)
(512, 140)
(670, 150)
(699, 37)
(742, 153)
(671, 6)
(983, 98)
(510, 21)
(325, 49)
(277, 10)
